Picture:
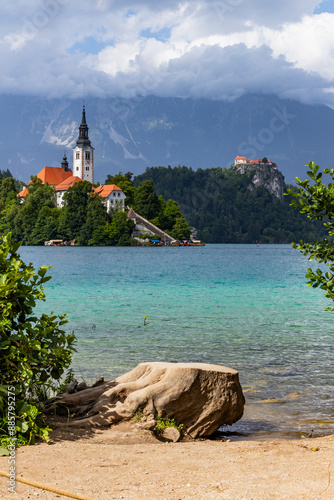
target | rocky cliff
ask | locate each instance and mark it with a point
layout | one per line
(265, 174)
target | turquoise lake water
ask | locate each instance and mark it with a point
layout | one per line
(241, 306)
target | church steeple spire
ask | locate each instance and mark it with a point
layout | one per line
(83, 139)
(83, 120)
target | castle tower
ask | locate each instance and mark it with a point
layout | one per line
(83, 153)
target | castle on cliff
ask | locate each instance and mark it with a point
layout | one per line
(242, 160)
(265, 173)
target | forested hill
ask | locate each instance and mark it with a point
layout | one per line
(225, 207)
(83, 216)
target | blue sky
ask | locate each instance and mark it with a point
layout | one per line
(217, 49)
(89, 45)
(325, 6)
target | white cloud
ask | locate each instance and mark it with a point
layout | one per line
(209, 48)
(309, 44)
(226, 73)
(112, 60)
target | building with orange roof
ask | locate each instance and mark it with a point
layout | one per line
(50, 175)
(83, 161)
(63, 187)
(114, 198)
(240, 159)
(53, 175)
(22, 194)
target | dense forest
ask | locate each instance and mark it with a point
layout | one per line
(217, 202)
(83, 217)
(220, 205)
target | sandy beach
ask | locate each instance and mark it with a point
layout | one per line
(125, 462)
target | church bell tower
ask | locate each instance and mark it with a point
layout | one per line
(83, 153)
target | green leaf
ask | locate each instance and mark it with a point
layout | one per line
(4, 452)
(21, 426)
(32, 411)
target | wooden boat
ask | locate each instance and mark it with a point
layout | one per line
(54, 243)
(188, 243)
(59, 243)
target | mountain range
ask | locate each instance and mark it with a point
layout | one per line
(132, 134)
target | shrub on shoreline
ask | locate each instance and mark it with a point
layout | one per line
(35, 352)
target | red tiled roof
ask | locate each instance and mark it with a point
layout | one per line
(23, 193)
(70, 181)
(106, 189)
(53, 175)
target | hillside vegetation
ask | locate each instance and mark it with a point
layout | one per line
(222, 204)
(84, 217)
(225, 207)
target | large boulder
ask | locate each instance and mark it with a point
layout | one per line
(200, 396)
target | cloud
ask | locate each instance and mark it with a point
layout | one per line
(227, 73)
(308, 44)
(205, 48)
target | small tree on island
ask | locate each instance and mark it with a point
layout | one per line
(35, 352)
(316, 200)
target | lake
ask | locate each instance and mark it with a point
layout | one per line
(241, 306)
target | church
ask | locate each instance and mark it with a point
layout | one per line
(83, 153)
(62, 178)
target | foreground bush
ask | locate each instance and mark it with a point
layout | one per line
(35, 351)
